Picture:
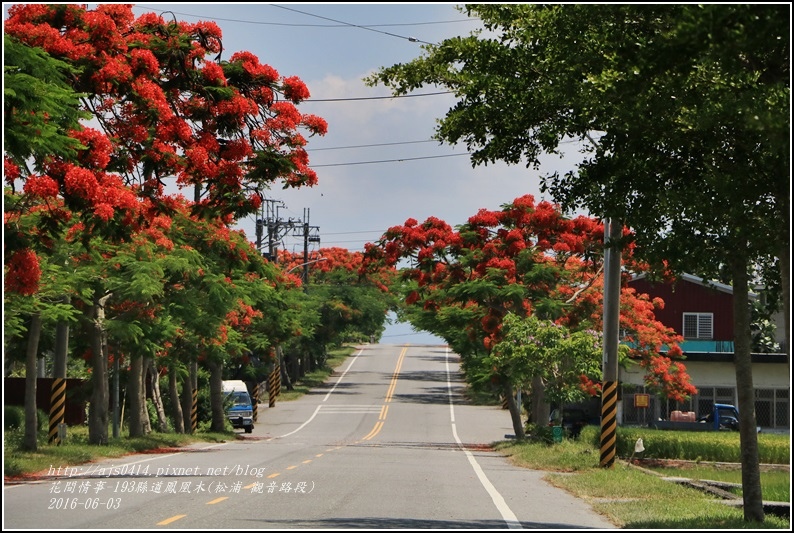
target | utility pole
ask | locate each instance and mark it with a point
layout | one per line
(268, 218)
(307, 238)
(613, 231)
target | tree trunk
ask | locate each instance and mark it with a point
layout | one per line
(137, 401)
(157, 398)
(515, 410)
(282, 364)
(30, 440)
(751, 470)
(176, 406)
(100, 395)
(785, 283)
(540, 408)
(216, 396)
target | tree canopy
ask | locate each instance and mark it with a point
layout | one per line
(683, 111)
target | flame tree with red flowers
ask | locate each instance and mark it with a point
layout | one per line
(528, 260)
(350, 307)
(172, 113)
(692, 151)
(39, 107)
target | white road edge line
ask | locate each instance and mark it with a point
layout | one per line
(338, 381)
(507, 515)
(326, 397)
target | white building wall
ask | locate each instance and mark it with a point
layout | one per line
(704, 374)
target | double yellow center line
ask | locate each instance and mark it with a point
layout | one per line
(389, 394)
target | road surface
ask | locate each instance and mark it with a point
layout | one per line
(389, 442)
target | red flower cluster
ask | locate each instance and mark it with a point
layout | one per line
(525, 257)
(149, 83)
(23, 273)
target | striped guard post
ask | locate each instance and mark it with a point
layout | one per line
(57, 409)
(194, 412)
(609, 426)
(255, 401)
(272, 386)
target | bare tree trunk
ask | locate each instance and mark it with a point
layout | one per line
(540, 408)
(30, 440)
(176, 406)
(282, 364)
(785, 282)
(751, 469)
(216, 396)
(157, 398)
(100, 395)
(137, 400)
(515, 409)
(187, 403)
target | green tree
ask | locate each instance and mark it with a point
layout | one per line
(684, 110)
(534, 348)
(340, 304)
(168, 106)
(39, 106)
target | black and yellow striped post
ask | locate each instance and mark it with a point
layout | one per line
(194, 412)
(278, 379)
(505, 403)
(609, 423)
(273, 385)
(57, 409)
(255, 401)
(613, 231)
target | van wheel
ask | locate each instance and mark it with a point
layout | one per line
(249, 429)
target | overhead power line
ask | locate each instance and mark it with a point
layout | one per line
(310, 100)
(371, 145)
(411, 39)
(388, 160)
(294, 25)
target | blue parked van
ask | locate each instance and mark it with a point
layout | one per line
(238, 405)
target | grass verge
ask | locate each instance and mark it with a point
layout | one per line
(76, 450)
(631, 498)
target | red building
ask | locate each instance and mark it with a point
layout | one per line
(702, 312)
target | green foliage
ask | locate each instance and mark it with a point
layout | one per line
(690, 149)
(13, 417)
(39, 106)
(532, 347)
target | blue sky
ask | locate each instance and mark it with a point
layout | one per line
(376, 166)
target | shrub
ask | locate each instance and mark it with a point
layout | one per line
(13, 417)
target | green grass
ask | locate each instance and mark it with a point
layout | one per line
(76, 450)
(773, 448)
(775, 484)
(632, 498)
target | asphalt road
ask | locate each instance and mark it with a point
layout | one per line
(387, 443)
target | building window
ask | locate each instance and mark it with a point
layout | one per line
(698, 325)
